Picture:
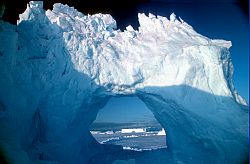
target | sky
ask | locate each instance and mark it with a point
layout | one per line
(216, 19)
(125, 110)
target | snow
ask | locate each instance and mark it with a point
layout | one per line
(59, 67)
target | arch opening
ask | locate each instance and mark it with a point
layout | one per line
(126, 121)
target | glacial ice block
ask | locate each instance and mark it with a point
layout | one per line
(59, 67)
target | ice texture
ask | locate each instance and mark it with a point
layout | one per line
(59, 67)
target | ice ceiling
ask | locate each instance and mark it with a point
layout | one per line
(59, 67)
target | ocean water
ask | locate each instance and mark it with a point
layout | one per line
(138, 141)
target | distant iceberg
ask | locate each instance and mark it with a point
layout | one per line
(161, 133)
(134, 130)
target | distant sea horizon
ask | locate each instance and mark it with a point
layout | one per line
(103, 126)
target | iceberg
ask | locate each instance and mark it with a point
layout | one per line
(59, 67)
(134, 130)
(161, 133)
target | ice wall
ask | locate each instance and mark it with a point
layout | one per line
(59, 67)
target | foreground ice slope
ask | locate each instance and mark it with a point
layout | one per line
(59, 67)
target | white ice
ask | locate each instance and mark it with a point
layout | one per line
(59, 67)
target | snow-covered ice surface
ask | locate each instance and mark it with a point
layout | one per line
(59, 67)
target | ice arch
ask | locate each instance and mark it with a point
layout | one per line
(59, 67)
